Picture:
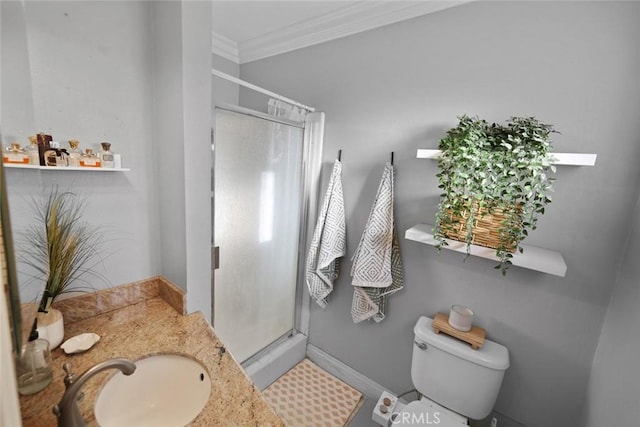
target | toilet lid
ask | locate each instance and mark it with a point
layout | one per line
(418, 413)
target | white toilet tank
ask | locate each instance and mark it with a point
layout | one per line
(452, 374)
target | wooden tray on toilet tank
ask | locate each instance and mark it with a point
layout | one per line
(475, 336)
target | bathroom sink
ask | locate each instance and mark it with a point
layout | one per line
(164, 390)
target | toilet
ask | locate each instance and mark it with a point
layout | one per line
(456, 382)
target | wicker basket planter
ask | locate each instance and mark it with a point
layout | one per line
(486, 229)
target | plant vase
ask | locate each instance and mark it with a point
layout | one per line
(487, 225)
(51, 327)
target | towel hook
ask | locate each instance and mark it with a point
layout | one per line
(392, 158)
(340, 155)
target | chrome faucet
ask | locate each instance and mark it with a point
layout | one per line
(67, 410)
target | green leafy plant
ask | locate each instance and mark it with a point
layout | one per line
(494, 169)
(59, 246)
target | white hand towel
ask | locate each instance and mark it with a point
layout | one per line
(329, 241)
(377, 266)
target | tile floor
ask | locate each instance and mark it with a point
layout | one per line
(363, 417)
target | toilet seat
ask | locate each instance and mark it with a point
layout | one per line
(427, 413)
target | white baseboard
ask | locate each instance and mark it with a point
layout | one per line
(290, 352)
(338, 369)
(276, 362)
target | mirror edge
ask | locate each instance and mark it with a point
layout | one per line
(9, 267)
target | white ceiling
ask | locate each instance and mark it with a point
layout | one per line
(244, 20)
(245, 31)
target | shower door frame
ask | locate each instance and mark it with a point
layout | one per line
(313, 133)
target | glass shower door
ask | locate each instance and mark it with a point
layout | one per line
(257, 205)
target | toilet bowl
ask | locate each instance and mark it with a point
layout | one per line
(456, 382)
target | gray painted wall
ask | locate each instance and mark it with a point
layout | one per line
(168, 135)
(398, 88)
(224, 91)
(88, 67)
(183, 96)
(614, 387)
(137, 74)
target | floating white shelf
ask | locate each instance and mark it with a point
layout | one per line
(568, 159)
(53, 168)
(533, 258)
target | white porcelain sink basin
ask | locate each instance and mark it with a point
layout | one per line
(164, 390)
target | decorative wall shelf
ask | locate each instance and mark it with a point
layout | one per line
(568, 159)
(533, 257)
(53, 168)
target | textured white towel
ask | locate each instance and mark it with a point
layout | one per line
(377, 266)
(329, 241)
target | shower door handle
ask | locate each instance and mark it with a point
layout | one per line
(215, 257)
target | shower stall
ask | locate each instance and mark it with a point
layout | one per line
(265, 189)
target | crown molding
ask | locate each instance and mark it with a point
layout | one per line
(225, 47)
(352, 19)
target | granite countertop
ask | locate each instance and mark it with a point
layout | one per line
(150, 323)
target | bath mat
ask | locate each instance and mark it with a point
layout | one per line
(308, 396)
